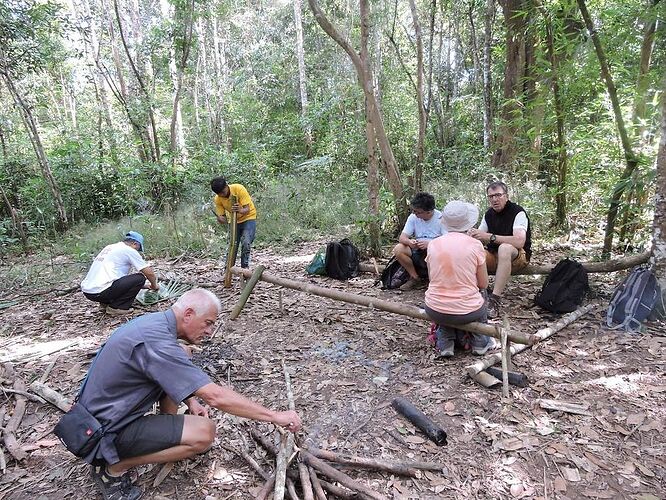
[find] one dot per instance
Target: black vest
(501, 223)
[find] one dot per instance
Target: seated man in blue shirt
(422, 225)
(143, 363)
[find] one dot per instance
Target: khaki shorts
(517, 264)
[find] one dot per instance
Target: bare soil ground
(347, 363)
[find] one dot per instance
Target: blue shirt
(140, 363)
(424, 229)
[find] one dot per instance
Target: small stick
(286, 446)
(316, 484)
(13, 424)
(505, 359)
(50, 395)
(48, 370)
(251, 461)
(291, 490)
(337, 491)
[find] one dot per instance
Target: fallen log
(605, 266)
(474, 370)
(247, 290)
(399, 468)
(384, 305)
(435, 433)
(340, 477)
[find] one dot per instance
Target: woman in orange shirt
(457, 271)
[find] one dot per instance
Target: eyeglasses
(495, 196)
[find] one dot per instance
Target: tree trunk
(514, 71)
(302, 81)
(489, 19)
(364, 75)
(659, 224)
(420, 142)
(221, 79)
(33, 133)
(629, 156)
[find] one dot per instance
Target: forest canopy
(115, 108)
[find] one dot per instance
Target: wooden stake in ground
(505, 359)
(245, 294)
(384, 305)
(231, 254)
(543, 334)
(286, 444)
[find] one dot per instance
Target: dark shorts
(150, 434)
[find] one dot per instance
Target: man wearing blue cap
(109, 281)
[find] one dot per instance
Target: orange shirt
(452, 263)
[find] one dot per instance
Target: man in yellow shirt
(247, 214)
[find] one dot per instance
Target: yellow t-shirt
(223, 205)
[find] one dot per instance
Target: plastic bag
(318, 264)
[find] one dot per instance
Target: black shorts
(149, 434)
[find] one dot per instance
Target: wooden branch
(604, 266)
(340, 477)
(231, 254)
(247, 290)
(554, 404)
(291, 490)
(50, 395)
(398, 468)
(248, 458)
(287, 441)
(49, 368)
(384, 305)
(13, 424)
(435, 433)
(306, 484)
(505, 360)
(316, 484)
(474, 370)
(25, 394)
(3, 461)
(337, 490)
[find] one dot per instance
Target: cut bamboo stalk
(231, 255)
(247, 290)
(306, 484)
(340, 477)
(316, 485)
(505, 361)
(384, 305)
(399, 468)
(540, 335)
(606, 266)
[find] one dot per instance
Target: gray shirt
(140, 363)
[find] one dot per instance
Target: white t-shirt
(520, 222)
(424, 229)
(113, 262)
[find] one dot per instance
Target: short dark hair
(424, 201)
(498, 184)
(218, 184)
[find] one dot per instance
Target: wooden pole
(384, 305)
(505, 360)
(399, 468)
(306, 484)
(231, 255)
(604, 266)
(286, 444)
(245, 294)
(543, 334)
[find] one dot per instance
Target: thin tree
(364, 74)
(659, 224)
(302, 80)
(631, 160)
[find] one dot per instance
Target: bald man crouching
(142, 363)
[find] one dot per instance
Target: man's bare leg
(403, 254)
(505, 255)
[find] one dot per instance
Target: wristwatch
(493, 237)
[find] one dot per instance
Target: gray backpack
(634, 300)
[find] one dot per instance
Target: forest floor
(347, 363)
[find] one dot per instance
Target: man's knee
(506, 252)
(198, 433)
(401, 249)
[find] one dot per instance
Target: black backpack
(394, 275)
(636, 299)
(341, 260)
(564, 288)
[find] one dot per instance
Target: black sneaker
(114, 488)
(494, 306)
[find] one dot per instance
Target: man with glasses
(506, 232)
(422, 226)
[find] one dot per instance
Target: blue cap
(138, 237)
